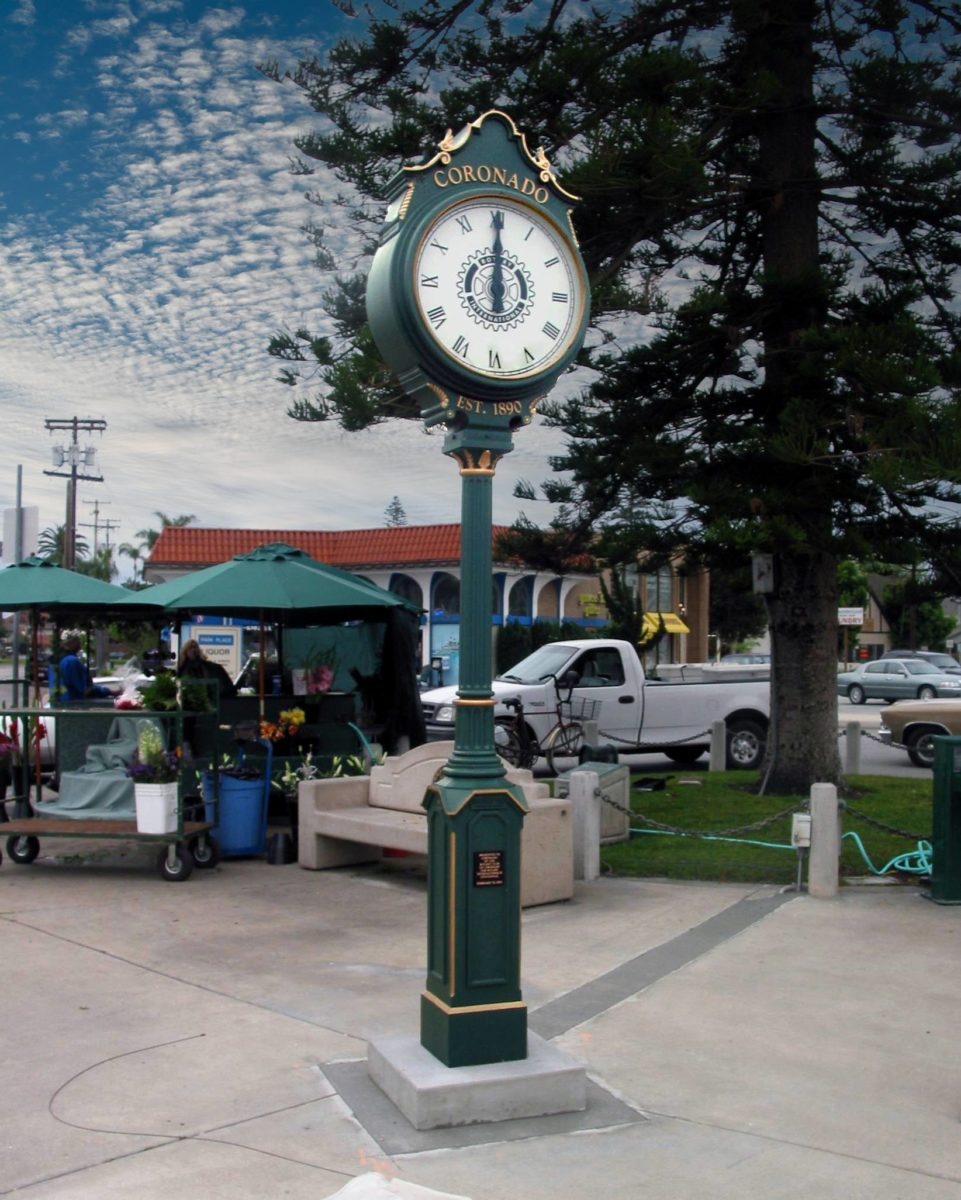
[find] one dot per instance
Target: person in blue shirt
(75, 679)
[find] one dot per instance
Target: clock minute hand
(497, 278)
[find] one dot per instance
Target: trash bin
(241, 827)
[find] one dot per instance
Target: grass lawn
(726, 800)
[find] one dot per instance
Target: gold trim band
(469, 1009)
(474, 703)
(452, 913)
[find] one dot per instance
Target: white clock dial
(498, 287)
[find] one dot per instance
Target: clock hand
(497, 279)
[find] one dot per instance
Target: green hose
(915, 862)
(705, 838)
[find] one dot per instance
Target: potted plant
(317, 674)
(155, 771)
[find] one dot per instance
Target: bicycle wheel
(507, 743)
(563, 741)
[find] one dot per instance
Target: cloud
(24, 14)
(150, 305)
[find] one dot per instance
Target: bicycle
(512, 737)
(563, 740)
(566, 737)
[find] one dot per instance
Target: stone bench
(351, 820)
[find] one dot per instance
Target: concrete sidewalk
(205, 1039)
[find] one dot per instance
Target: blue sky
(150, 243)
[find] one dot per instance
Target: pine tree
(771, 217)
(394, 514)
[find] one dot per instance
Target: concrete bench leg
(317, 852)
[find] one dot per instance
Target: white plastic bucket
(156, 807)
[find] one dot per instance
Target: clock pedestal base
(432, 1096)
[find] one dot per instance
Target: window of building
(659, 597)
(446, 601)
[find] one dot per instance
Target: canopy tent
(280, 584)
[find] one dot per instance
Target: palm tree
(136, 553)
(150, 535)
(51, 542)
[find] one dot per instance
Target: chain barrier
(754, 827)
(873, 737)
(862, 816)
(693, 737)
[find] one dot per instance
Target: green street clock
(478, 299)
(477, 295)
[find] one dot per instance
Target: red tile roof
(349, 549)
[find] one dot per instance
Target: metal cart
(187, 846)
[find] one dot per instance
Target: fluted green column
(471, 1009)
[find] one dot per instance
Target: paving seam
(591, 999)
(605, 1110)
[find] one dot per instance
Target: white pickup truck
(632, 713)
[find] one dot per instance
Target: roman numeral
(551, 329)
(465, 225)
(461, 347)
(552, 262)
(442, 249)
(428, 281)
(529, 232)
(493, 360)
(560, 297)
(436, 316)
(528, 357)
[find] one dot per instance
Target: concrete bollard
(852, 748)
(825, 841)
(585, 798)
(718, 759)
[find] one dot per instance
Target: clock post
(478, 299)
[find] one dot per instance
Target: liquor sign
(850, 616)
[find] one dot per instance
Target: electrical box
(800, 830)
(614, 780)
(946, 822)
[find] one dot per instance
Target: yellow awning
(672, 623)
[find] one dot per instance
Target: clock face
(498, 288)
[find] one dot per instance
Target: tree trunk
(803, 740)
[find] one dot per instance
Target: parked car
(915, 723)
(897, 679)
(944, 662)
(748, 656)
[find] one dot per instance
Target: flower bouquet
(319, 671)
(152, 762)
(288, 724)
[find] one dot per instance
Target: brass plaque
(488, 868)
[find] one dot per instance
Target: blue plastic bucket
(242, 825)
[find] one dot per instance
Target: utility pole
(96, 525)
(75, 457)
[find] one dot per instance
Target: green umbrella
(274, 582)
(38, 584)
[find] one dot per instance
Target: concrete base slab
(433, 1096)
